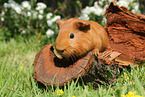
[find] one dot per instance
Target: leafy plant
(28, 19)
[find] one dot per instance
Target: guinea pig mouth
(69, 53)
(62, 54)
(57, 53)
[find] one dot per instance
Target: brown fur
(88, 36)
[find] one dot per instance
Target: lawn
(16, 58)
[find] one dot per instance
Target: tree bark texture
(126, 31)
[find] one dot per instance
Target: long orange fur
(94, 38)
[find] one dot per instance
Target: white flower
(14, 6)
(99, 11)
(48, 15)
(104, 20)
(123, 3)
(2, 19)
(49, 22)
(129, 5)
(96, 4)
(135, 11)
(93, 9)
(136, 7)
(23, 32)
(84, 17)
(111, 0)
(35, 13)
(26, 4)
(29, 13)
(96, 9)
(55, 18)
(40, 16)
(41, 11)
(3, 13)
(17, 9)
(86, 10)
(49, 33)
(100, 2)
(6, 5)
(41, 6)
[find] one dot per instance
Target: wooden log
(126, 31)
(49, 70)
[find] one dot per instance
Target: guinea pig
(77, 37)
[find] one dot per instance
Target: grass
(16, 58)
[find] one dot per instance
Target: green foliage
(5, 34)
(28, 18)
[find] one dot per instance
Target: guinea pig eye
(72, 36)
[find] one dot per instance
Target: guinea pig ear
(59, 22)
(83, 26)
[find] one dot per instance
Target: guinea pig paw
(96, 53)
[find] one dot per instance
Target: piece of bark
(126, 31)
(49, 70)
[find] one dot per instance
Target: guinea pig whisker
(75, 56)
(72, 54)
(72, 58)
(68, 56)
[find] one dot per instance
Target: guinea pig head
(72, 39)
